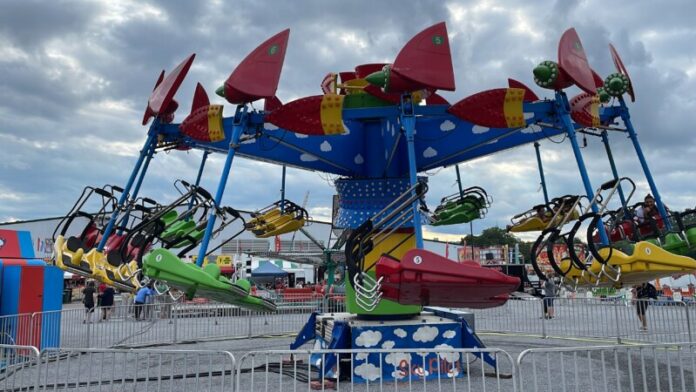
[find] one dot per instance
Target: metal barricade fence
(655, 367)
(519, 316)
(375, 370)
(19, 368)
(136, 370)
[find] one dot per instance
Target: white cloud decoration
(429, 152)
(396, 359)
(367, 371)
(308, 158)
(368, 338)
(449, 334)
(269, 127)
(359, 160)
(478, 129)
(361, 356)
(447, 126)
(401, 333)
(388, 345)
(425, 334)
(449, 357)
(325, 146)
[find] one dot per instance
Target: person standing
(107, 302)
(88, 300)
(550, 289)
(643, 293)
(141, 298)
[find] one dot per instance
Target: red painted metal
(436, 99)
(258, 74)
(426, 278)
(9, 244)
(580, 109)
(377, 92)
(484, 108)
(426, 61)
(598, 81)
(30, 301)
(361, 71)
(529, 95)
(200, 98)
(271, 104)
(161, 100)
(573, 61)
(622, 69)
(301, 116)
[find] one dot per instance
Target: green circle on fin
(438, 40)
(273, 50)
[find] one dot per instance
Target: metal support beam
(239, 126)
(408, 121)
(541, 172)
(605, 140)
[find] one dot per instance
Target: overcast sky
(75, 77)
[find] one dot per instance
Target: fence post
(249, 322)
(618, 324)
(175, 320)
(688, 320)
(543, 320)
(31, 331)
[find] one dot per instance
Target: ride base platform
(432, 329)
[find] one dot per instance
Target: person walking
(141, 298)
(643, 293)
(550, 289)
(88, 300)
(107, 302)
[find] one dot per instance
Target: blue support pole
(408, 121)
(239, 126)
(198, 178)
(151, 139)
(605, 140)
(541, 172)
(563, 111)
(626, 117)
(136, 190)
(282, 192)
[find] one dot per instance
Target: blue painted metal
(151, 140)
(240, 124)
(626, 117)
(282, 191)
(459, 181)
(307, 333)
(563, 112)
(198, 178)
(340, 339)
(541, 172)
(408, 121)
(605, 140)
(126, 216)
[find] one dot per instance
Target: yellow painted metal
(648, 262)
(512, 108)
(215, 129)
(594, 110)
(332, 114)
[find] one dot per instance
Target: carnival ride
(363, 129)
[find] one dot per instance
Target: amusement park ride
(377, 127)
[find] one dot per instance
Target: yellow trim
(215, 129)
(354, 86)
(332, 114)
(512, 108)
(594, 110)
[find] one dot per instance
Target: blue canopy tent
(268, 270)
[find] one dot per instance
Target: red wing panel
(529, 95)
(163, 94)
(9, 244)
(572, 59)
(426, 278)
(436, 99)
(258, 74)
(597, 79)
(426, 59)
(485, 108)
(622, 69)
(377, 92)
(301, 116)
(361, 71)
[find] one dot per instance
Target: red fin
(572, 59)
(436, 99)
(258, 74)
(622, 69)
(581, 109)
(346, 76)
(148, 112)
(301, 116)
(362, 70)
(529, 95)
(200, 98)
(426, 59)
(271, 104)
(166, 88)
